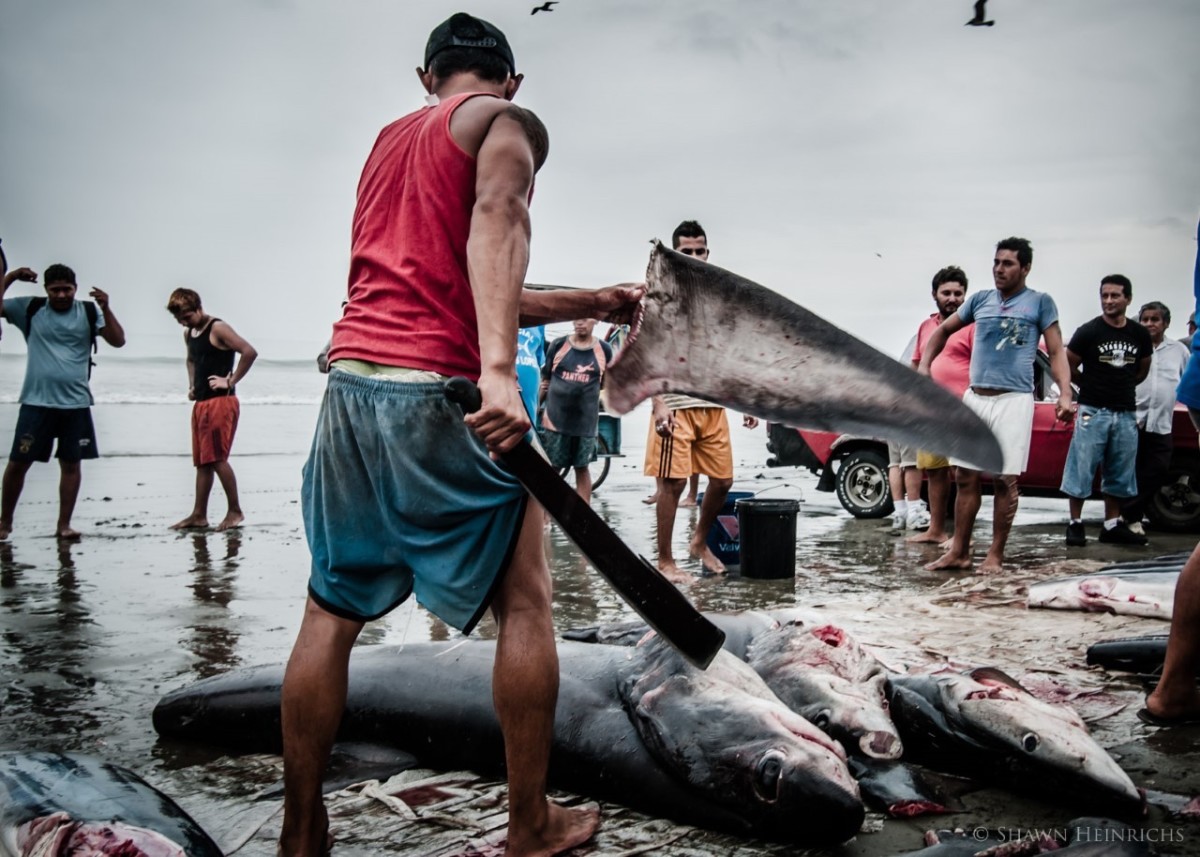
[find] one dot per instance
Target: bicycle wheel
(598, 468)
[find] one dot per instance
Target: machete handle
(639, 583)
(463, 393)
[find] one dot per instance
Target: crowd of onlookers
(982, 347)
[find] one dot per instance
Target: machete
(643, 587)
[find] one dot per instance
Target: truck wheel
(1176, 506)
(862, 485)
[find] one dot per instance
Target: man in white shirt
(1155, 411)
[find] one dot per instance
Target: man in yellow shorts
(689, 436)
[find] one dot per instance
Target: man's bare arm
(616, 304)
(1143, 369)
(1060, 371)
(1074, 362)
(497, 258)
(937, 341)
(226, 337)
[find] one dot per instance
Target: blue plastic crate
(610, 430)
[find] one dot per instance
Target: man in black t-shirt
(1109, 357)
(571, 379)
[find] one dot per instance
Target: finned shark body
(710, 333)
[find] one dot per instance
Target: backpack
(89, 307)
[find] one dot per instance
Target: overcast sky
(837, 151)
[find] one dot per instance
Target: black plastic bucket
(768, 537)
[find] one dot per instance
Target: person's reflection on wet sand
(8, 566)
(66, 562)
(214, 635)
(46, 650)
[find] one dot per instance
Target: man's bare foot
(323, 841)
(1170, 708)
(191, 522)
(687, 503)
(231, 521)
(565, 828)
(651, 500)
(992, 565)
(66, 534)
(950, 562)
(5, 529)
(927, 537)
(673, 572)
(707, 558)
(949, 543)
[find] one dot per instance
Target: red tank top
(410, 301)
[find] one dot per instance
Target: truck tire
(862, 484)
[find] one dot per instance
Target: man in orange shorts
(211, 344)
(689, 436)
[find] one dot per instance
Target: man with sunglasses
(689, 436)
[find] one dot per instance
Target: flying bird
(978, 21)
(545, 7)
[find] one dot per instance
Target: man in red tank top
(400, 494)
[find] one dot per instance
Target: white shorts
(901, 456)
(1010, 417)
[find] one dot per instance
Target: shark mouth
(706, 332)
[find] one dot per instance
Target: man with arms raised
(56, 399)
(952, 370)
(1109, 356)
(400, 494)
(1008, 322)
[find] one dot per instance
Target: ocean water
(141, 406)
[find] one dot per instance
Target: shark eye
(821, 719)
(770, 772)
(1029, 742)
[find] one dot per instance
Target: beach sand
(94, 632)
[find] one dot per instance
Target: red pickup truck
(856, 467)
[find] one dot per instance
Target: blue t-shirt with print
(1006, 336)
(59, 346)
(531, 354)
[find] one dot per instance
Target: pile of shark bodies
(787, 736)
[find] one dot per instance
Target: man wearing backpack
(56, 399)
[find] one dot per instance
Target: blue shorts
(399, 497)
(38, 427)
(1105, 439)
(568, 450)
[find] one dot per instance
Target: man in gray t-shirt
(55, 398)
(1009, 320)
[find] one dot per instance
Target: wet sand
(95, 632)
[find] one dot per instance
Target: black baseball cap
(461, 30)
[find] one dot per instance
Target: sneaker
(1076, 536)
(1136, 527)
(918, 517)
(1121, 534)
(899, 519)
